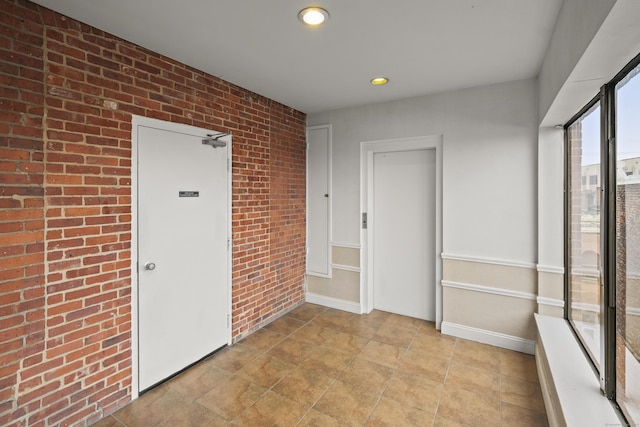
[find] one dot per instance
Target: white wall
(591, 42)
(577, 24)
(489, 164)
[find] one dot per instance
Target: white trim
(633, 311)
(324, 276)
(135, 369)
(329, 128)
(484, 260)
(345, 245)
(137, 121)
(339, 304)
(346, 268)
(552, 302)
(489, 290)
(549, 269)
(497, 339)
(367, 150)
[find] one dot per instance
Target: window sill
(570, 388)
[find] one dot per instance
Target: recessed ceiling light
(379, 81)
(313, 16)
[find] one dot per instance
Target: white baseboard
(339, 304)
(489, 337)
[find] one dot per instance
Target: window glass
(628, 245)
(584, 230)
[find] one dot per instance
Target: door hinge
(228, 320)
(228, 243)
(228, 165)
(364, 220)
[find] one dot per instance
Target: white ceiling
(423, 46)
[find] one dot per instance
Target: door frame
(136, 122)
(367, 150)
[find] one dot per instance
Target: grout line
(444, 382)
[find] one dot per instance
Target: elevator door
(404, 210)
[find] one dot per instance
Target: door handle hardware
(149, 266)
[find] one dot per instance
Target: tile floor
(323, 367)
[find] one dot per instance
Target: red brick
(94, 82)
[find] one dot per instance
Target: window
(602, 235)
(627, 249)
(584, 229)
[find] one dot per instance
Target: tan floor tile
(266, 370)
(195, 415)
(433, 345)
(271, 410)
(443, 422)
(234, 358)
(318, 419)
(360, 328)
(433, 367)
(334, 319)
(522, 417)
(261, 340)
(518, 365)
(301, 354)
(153, 407)
(396, 336)
(376, 317)
(349, 343)
(392, 413)
(292, 350)
(382, 354)
(108, 421)
(347, 403)
(469, 408)
(367, 375)
(327, 360)
(232, 396)
(285, 325)
(477, 354)
(429, 328)
(414, 390)
(476, 380)
(303, 386)
(314, 334)
(404, 321)
(306, 312)
(523, 393)
(198, 380)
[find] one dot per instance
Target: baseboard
(489, 337)
(339, 304)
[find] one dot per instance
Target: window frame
(608, 156)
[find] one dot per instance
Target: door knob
(149, 266)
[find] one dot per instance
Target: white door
(318, 206)
(404, 241)
(183, 255)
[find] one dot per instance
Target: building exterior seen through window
(584, 230)
(603, 236)
(627, 248)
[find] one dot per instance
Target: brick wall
(67, 93)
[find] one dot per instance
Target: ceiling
(423, 46)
